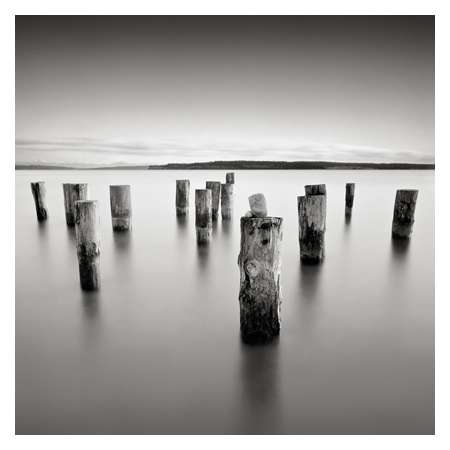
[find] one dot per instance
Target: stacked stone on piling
(311, 220)
(203, 215)
(182, 197)
(88, 244)
(404, 209)
(120, 200)
(73, 192)
(39, 196)
(349, 195)
(226, 200)
(260, 263)
(214, 186)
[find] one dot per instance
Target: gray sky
(103, 90)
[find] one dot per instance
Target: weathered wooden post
(229, 178)
(214, 186)
(349, 195)
(73, 193)
(38, 191)
(88, 243)
(311, 221)
(120, 199)
(260, 263)
(318, 189)
(203, 215)
(404, 208)
(182, 197)
(226, 200)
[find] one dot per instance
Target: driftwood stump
(349, 195)
(404, 208)
(88, 244)
(311, 221)
(38, 191)
(229, 178)
(182, 197)
(226, 200)
(73, 192)
(120, 200)
(214, 186)
(259, 262)
(203, 215)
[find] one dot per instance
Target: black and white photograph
(224, 224)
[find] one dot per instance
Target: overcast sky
(103, 90)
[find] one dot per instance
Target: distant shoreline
(246, 165)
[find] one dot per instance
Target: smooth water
(157, 350)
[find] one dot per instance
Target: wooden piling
(315, 189)
(88, 244)
(404, 208)
(73, 193)
(226, 200)
(203, 215)
(311, 221)
(229, 178)
(38, 191)
(120, 200)
(214, 186)
(182, 197)
(260, 263)
(349, 195)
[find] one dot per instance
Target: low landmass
(244, 165)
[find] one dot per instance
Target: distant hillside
(289, 165)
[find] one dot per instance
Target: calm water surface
(157, 350)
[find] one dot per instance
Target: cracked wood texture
(311, 221)
(38, 191)
(214, 186)
(226, 200)
(120, 200)
(88, 244)
(260, 263)
(182, 197)
(404, 208)
(203, 215)
(73, 192)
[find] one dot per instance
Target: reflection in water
(90, 322)
(309, 280)
(214, 228)
(202, 256)
(122, 241)
(182, 222)
(71, 236)
(90, 302)
(348, 218)
(227, 228)
(260, 386)
(399, 249)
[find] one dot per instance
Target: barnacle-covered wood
(182, 197)
(120, 199)
(38, 191)
(88, 244)
(311, 221)
(405, 206)
(214, 187)
(73, 192)
(349, 195)
(260, 293)
(203, 215)
(226, 200)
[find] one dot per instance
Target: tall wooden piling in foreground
(226, 200)
(38, 191)
(120, 200)
(404, 208)
(229, 178)
(349, 195)
(260, 263)
(73, 192)
(182, 197)
(214, 186)
(203, 215)
(88, 244)
(311, 221)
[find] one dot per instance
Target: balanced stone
(258, 205)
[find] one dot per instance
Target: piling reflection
(202, 256)
(348, 218)
(260, 386)
(227, 228)
(122, 241)
(309, 280)
(71, 236)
